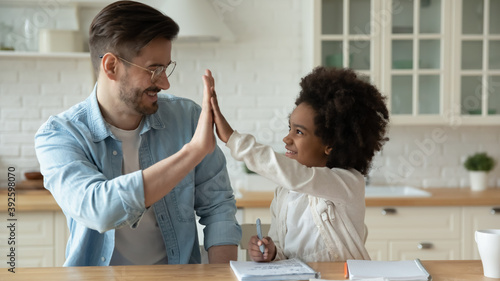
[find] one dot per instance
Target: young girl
(318, 210)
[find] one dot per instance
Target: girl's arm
(331, 184)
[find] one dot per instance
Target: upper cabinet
(346, 38)
(476, 80)
(30, 28)
(415, 63)
(437, 61)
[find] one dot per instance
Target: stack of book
(407, 270)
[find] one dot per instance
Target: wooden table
(440, 271)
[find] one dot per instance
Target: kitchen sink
(394, 191)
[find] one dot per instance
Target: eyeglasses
(156, 74)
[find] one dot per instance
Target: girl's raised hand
(254, 249)
(223, 129)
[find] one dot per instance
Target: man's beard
(132, 97)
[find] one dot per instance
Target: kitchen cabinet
(477, 60)
(22, 20)
(437, 61)
(428, 233)
(401, 233)
(40, 239)
(338, 35)
(396, 233)
(475, 218)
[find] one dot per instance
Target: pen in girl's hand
(259, 234)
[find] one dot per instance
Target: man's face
(136, 90)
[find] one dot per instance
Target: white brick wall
(413, 156)
(257, 81)
(34, 89)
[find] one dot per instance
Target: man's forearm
(163, 176)
(222, 254)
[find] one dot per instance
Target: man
(130, 167)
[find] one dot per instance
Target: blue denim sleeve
(215, 203)
(72, 167)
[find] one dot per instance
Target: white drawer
(377, 250)
(28, 256)
(475, 218)
(32, 229)
(413, 222)
(438, 250)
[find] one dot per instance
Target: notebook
(364, 279)
(407, 270)
(292, 269)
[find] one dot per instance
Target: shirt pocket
(183, 200)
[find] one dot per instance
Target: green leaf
(479, 162)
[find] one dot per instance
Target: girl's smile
(290, 153)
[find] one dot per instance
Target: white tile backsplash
(257, 81)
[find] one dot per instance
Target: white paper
(364, 279)
(290, 267)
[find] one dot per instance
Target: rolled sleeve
(215, 202)
(131, 196)
(94, 199)
(222, 233)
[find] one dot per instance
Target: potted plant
(479, 165)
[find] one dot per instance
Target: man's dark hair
(124, 28)
(351, 116)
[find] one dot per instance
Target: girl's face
(301, 142)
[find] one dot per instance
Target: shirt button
(114, 152)
(103, 258)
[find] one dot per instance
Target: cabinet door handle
(388, 211)
(495, 211)
(425, 245)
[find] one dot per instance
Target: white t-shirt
(144, 244)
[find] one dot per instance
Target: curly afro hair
(351, 116)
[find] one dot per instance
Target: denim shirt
(81, 162)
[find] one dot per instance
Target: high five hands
(211, 114)
(210, 106)
(203, 139)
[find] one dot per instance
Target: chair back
(366, 234)
(248, 230)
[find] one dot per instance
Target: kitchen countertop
(468, 270)
(439, 197)
(30, 200)
(42, 200)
